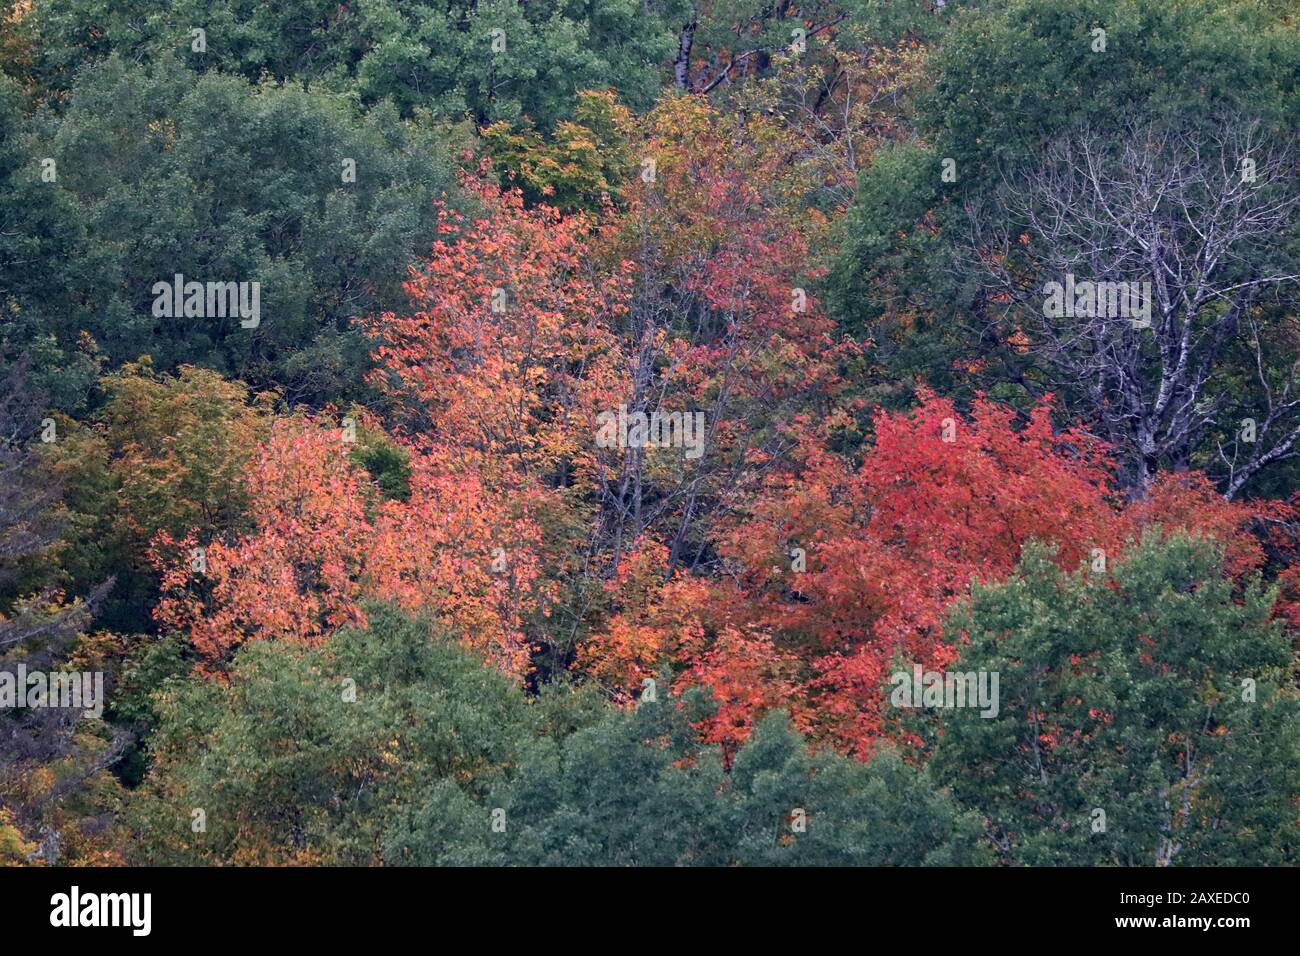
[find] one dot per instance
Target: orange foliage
(324, 542)
(507, 347)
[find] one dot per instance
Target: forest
(649, 433)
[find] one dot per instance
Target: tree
(40, 237)
(1194, 222)
(1011, 76)
(52, 765)
(392, 744)
(303, 755)
(1007, 79)
(837, 569)
(324, 539)
(1146, 716)
(323, 207)
(490, 60)
(164, 454)
(506, 352)
(583, 163)
(724, 44)
(530, 330)
(636, 788)
(30, 522)
(845, 567)
(721, 325)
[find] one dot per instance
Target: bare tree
(1190, 230)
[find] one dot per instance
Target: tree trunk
(682, 63)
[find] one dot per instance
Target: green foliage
(388, 463)
(164, 454)
(420, 56)
(637, 788)
(1010, 75)
(40, 238)
(411, 771)
(580, 166)
(146, 159)
(288, 769)
(1007, 78)
(1125, 693)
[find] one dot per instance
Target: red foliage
(937, 502)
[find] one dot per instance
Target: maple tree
(527, 324)
(506, 348)
(723, 321)
(840, 571)
(325, 540)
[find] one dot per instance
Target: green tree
(393, 744)
(492, 60)
(41, 236)
(638, 788)
(1145, 716)
(1006, 80)
(580, 166)
(1011, 75)
(303, 756)
(171, 172)
(163, 454)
